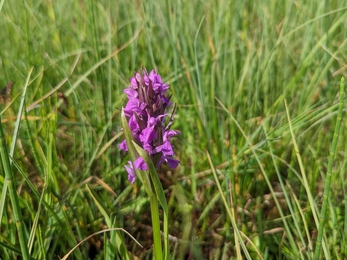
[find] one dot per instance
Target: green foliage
(256, 85)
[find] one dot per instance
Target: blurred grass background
(231, 65)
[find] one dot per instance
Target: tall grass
(257, 92)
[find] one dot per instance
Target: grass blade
(17, 214)
(322, 216)
(118, 240)
(238, 238)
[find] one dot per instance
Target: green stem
(17, 214)
(154, 190)
(329, 172)
(156, 228)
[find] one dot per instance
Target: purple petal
(134, 125)
(168, 134)
(165, 148)
(148, 148)
(131, 93)
(147, 135)
(131, 172)
(154, 77)
(138, 77)
(173, 163)
(166, 101)
(123, 146)
(134, 105)
(160, 88)
(152, 121)
(133, 83)
(140, 164)
(157, 87)
(146, 79)
(164, 87)
(170, 161)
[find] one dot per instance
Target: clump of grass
(253, 167)
(323, 212)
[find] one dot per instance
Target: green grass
(256, 85)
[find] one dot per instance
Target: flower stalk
(147, 138)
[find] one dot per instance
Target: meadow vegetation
(257, 88)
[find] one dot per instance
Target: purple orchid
(146, 109)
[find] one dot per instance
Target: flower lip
(131, 172)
